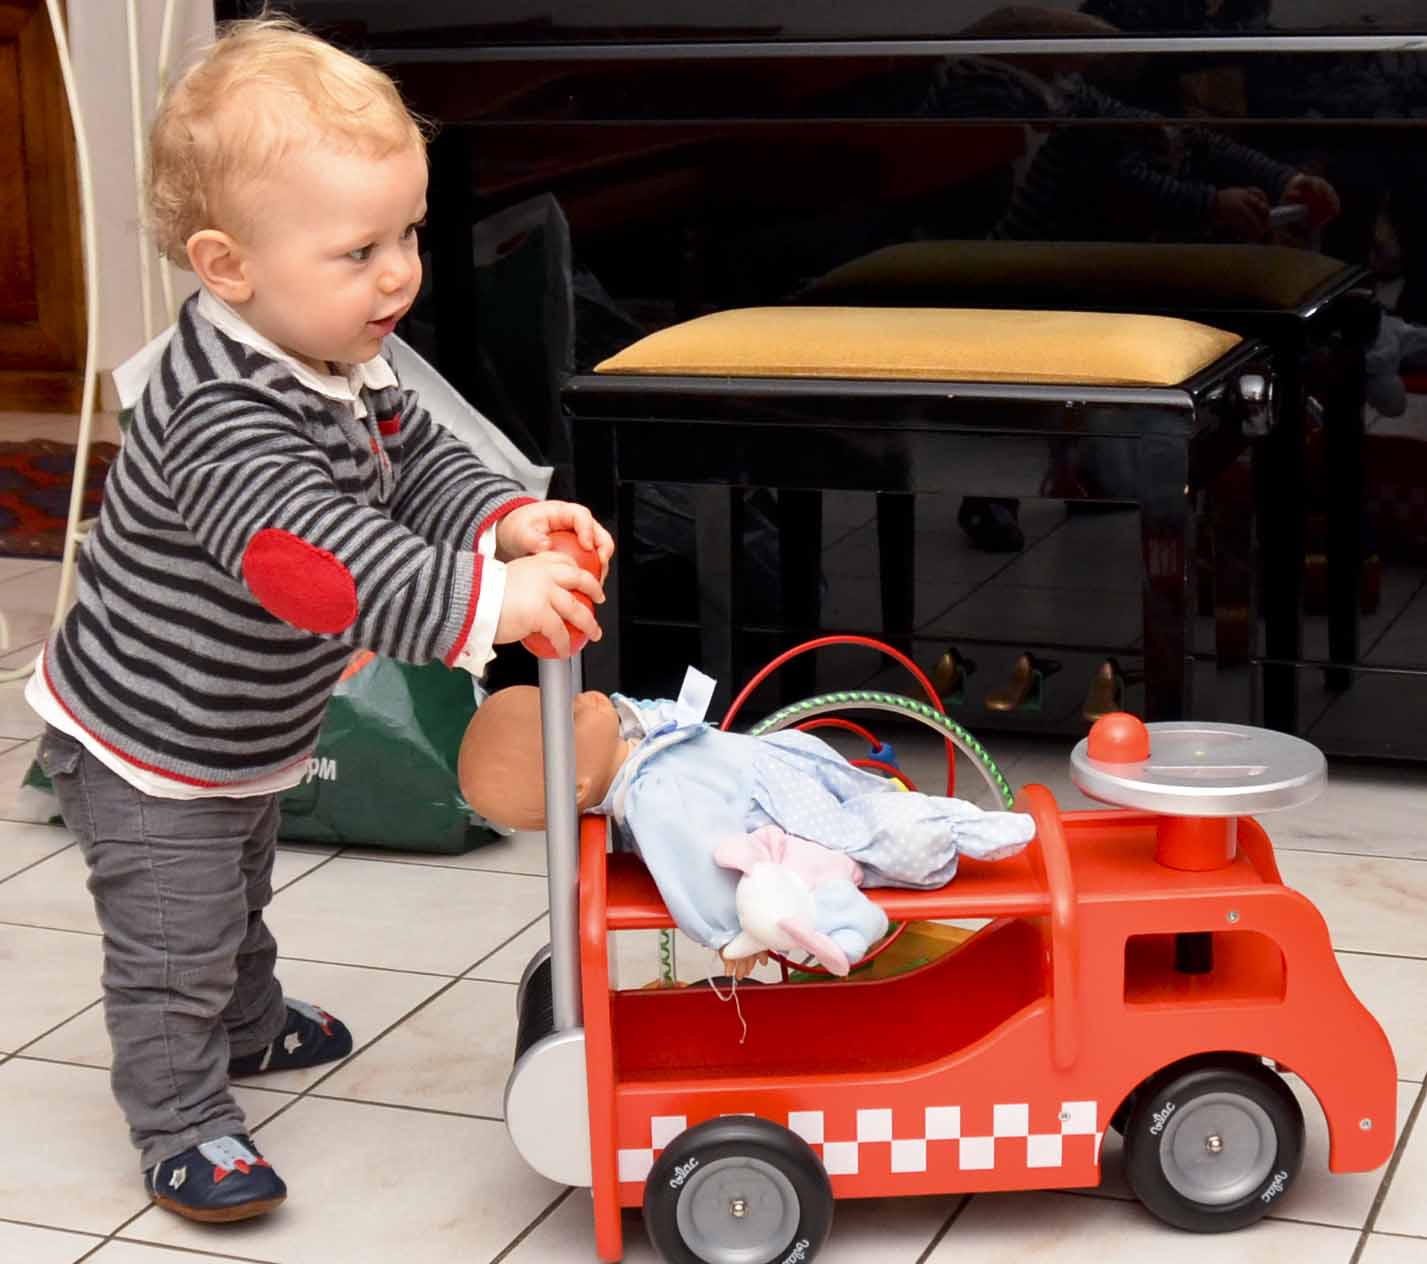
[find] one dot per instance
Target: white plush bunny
(796, 895)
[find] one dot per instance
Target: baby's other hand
(742, 967)
(1314, 192)
(527, 530)
(540, 597)
(1241, 213)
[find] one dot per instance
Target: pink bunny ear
(828, 954)
(743, 851)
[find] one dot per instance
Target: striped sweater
(253, 532)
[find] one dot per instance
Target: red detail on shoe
(300, 583)
(243, 1167)
(220, 1172)
(391, 426)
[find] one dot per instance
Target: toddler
(279, 500)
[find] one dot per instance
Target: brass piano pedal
(1107, 690)
(949, 676)
(1025, 690)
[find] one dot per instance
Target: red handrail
(1054, 857)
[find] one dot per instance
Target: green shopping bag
(384, 771)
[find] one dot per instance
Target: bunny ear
(743, 851)
(828, 954)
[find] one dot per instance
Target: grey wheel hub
(738, 1210)
(1218, 1149)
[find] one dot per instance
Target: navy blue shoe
(219, 1180)
(310, 1038)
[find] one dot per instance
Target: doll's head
(502, 767)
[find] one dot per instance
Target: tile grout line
(65, 1023)
(34, 863)
(380, 1036)
(163, 1246)
(1386, 1183)
(940, 1234)
(1351, 855)
(533, 1225)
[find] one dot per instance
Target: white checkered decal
(1010, 1121)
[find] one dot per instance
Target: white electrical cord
(165, 47)
(76, 527)
(136, 118)
(91, 332)
(90, 246)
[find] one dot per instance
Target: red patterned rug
(35, 479)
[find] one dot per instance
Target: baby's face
(332, 255)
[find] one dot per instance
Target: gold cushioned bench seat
(931, 344)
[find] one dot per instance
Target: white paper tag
(694, 697)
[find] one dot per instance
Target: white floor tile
(50, 975)
(292, 862)
(374, 1184)
(51, 893)
(1382, 1248)
(14, 761)
(43, 1246)
(1335, 1198)
(865, 1231)
(455, 1054)
(22, 845)
(71, 1166)
(1371, 904)
(1072, 1229)
(26, 607)
(1365, 809)
(507, 964)
(368, 1001)
(402, 917)
(121, 1252)
(522, 852)
(1393, 989)
(1404, 1210)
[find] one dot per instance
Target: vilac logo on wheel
(1161, 1117)
(798, 1253)
(682, 1173)
(1276, 1186)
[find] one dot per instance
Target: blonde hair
(262, 87)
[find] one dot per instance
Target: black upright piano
(602, 171)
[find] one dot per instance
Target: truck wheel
(1213, 1147)
(738, 1190)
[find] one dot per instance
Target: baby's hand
(742, 967)
(527, 530)
(540, 597)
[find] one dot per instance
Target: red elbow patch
(300, 583)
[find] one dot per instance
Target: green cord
(921, 711)
(667, 969)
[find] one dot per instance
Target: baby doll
(692, 800)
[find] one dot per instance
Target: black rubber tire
(726, 1141)
(1160, 1164)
